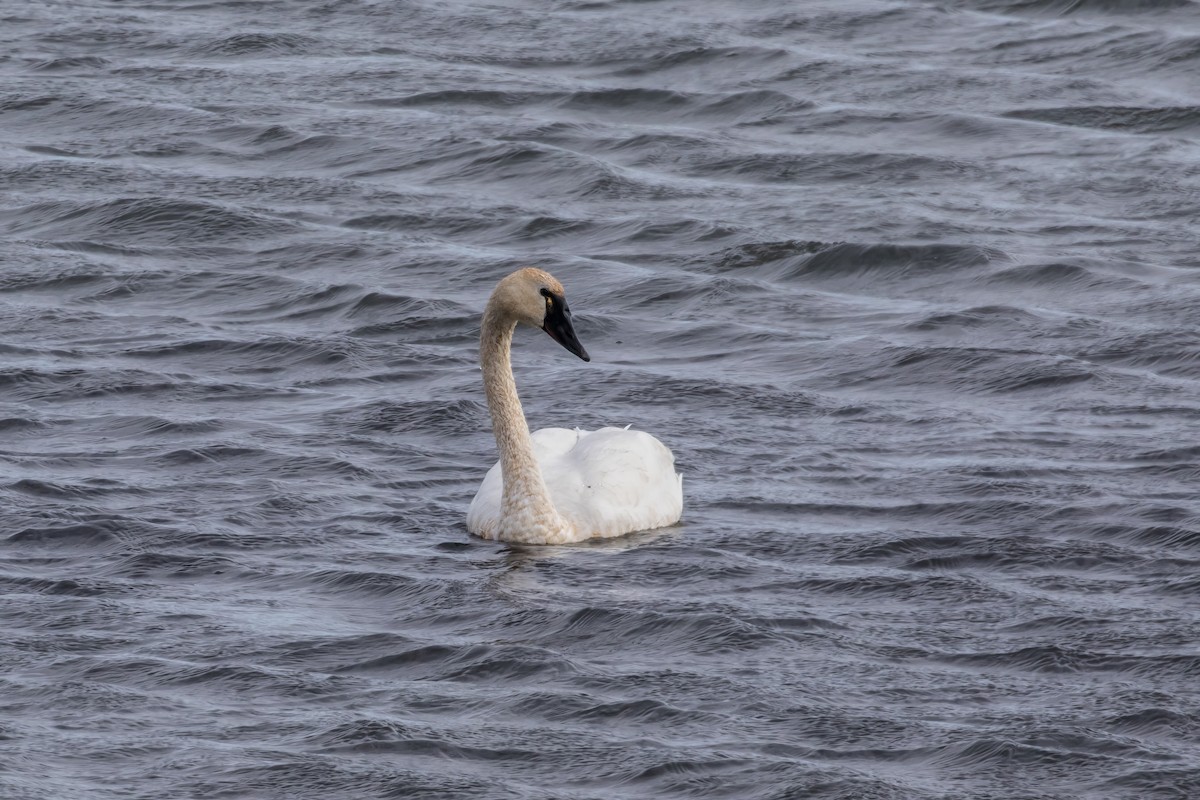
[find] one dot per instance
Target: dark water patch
(540, 170)
(674, 773)
(82, 64)
(743, 107)
(1168, 784)
(858, 265)
(1148, 52)
(280, 149)
(14, 424)
(518, 162)
(1154, 536)
(67, 385)
(888, 588)
(1058, 623)
(333, 654)
(23, 103)
(223, 294)
(107, 700)
(443, 224)
(236, 679)
(412, 317)
(1171, 455)
(430, 747)
(639, 712)
(1020, 554)
(258, 43)
(977, 512)
(1172, 353)
(1118, 118)
(66, 587)
(1066, 7)
(687, 292)
(874, 262)
(87, 116)
(96, 534)
(485, 98)
(698, 58)
(381, 585)
(967, 369)
(264, 357)
(97, 248)
(440, 417)
(151, 220)
(466, 663)
(681, 231)
(546, 227)
(314, 776)
(903, 547)
(209, 454)
(1155, 722)
(721, 395)
(130, 428)
(834, 168)
(695, 634)
(757, 254)
(988, 754)
(1185, 588)
(175, 566)
(1145, 410)
(1003, 318)
(627, 103)
(59, 491)
(1053, 659)
(336, 255)
(217, 458)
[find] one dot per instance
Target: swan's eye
(549, 304)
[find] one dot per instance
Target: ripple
(257, 43)
(1118, 118)
(158, 221)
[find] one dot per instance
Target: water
(911, 289)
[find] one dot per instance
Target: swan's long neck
(526, 511)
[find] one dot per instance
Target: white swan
(560, 485)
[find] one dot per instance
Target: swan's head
(536, 298)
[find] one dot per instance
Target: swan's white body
(603, 483)
(559, 486)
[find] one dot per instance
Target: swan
(560, 486)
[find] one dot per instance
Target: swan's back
(605, 483)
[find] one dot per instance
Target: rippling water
(911, 288)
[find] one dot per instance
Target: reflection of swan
(560, 486)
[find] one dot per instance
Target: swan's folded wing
(615, 481)
(551, 443)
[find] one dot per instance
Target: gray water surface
(910, 288)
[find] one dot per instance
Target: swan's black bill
(558, 324)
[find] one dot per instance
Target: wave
(833, 168)
(753, 106)
(1118, 118)
(1064, 7)
(1057, 659)
(148, 220)
(257, 44)
(856, 264)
